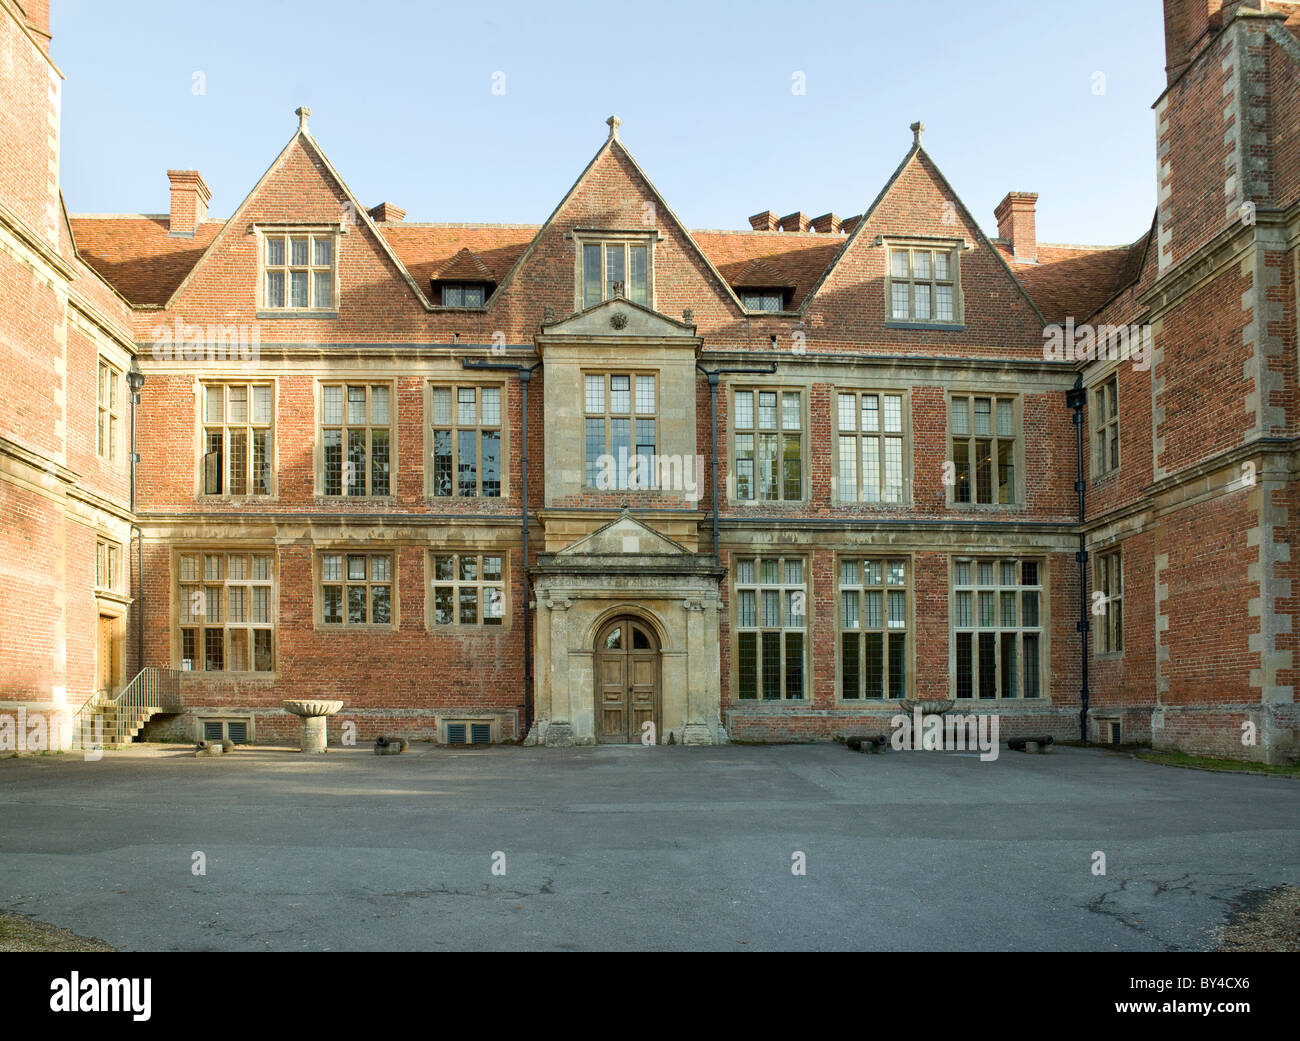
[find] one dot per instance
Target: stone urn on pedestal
(313, 715)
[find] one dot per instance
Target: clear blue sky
(402, 102)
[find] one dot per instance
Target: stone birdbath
(928, 706)
(313, 715)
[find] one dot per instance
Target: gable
(300, 188)
(612, 194)
(620, 318)
(918, 203)
(625, 536)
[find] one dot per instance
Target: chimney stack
(1189, 24)
(1016, 224)
(190, 195)
(827, 223)
(765, 221)
(387, 213)
(795, 222)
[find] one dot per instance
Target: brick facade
(1200, 506)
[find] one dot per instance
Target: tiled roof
(1073, 281)
(429, 250)
(465, 267)
(137, 256)
(797, 259)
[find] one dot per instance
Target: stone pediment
(624, 536)
(620, 318)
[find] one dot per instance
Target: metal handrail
(154, 689)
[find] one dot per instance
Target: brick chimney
(37, 13)
(827, 223)
(190, 195)
(1189, 25)
(1016, 224)
(795, 222)
(387, 213)
(765, 221)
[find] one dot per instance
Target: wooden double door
(627, 682)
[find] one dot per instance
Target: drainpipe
(713, 410)
(134, 381)
(525, 373)
(1076, 398)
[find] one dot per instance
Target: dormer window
(763, 299)
(613, 267)
(298, 269)
(923, 284)
(463, 294)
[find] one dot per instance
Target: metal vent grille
(455, 733)
(212, 730)
(481, 733)
(237, 732)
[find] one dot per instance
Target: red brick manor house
(555, 482)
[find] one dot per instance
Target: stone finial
(688, 317)
(303, 113)
(917, 129)
(613, 122)
(548, 315)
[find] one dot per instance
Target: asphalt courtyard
(662, 848)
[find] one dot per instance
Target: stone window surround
(908, 492)
(1105, 427)
(455, 626)
(1018, 452)
(955, 247)
(108, 401)
(454, 384)
(345, 380)
(108, 565)
(201, 427)
(805, 463)
(909, 618)
(1108, 571)
(782, 555)
(260, 231)
(345, 549)
(1044, 627)
(603, 237)
(180, 619)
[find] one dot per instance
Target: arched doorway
(627, 680)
